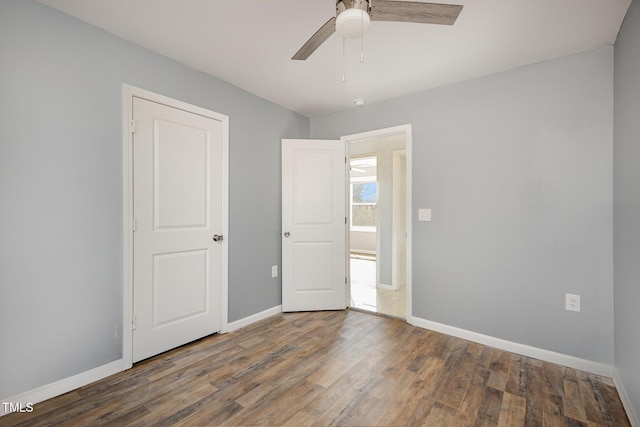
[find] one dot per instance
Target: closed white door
(313, 225)
(178, 208)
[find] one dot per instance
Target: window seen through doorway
(364, 194)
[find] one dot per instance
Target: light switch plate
(424, 214)
(274, 271)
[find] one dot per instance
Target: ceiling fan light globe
(352, 23)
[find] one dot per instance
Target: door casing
(129, 92)
(399, 195)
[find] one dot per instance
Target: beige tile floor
(366, 296)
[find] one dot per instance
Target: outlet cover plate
(274, 271)
(572, 302)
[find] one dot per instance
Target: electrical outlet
(274, 271)
(572, 302)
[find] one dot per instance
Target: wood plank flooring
(336, 368)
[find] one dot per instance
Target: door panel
(313, 198)
(309, 275)
(176, 303)
(178, 207)
(180, 164)
(313, 206)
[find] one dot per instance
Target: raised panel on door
(313, 223)
(173, 303)
(180, 176)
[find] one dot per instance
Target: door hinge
(132, 126)
(345, 280)
(134, 225)
(345, 220)
(134, 323)
(345, 160)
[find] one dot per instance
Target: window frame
(362, 228)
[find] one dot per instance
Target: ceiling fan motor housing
(342, 5)
(352, 17)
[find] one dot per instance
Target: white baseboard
(66, 385)
(626, 402)
(362, 251)
(513, 347)
(234, 326)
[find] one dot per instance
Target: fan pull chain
(362, 39)
(344, 61)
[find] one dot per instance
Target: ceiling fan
(353, 17)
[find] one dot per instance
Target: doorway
(379, 225)
(176, 208)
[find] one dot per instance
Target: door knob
(218, 237)
(287, 234)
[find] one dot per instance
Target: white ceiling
(249, 43)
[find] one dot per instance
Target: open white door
(179, 207)
(313, 225)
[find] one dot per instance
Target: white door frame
(380, 133)
(397, 155)
(129, 92)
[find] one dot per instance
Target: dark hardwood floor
(336, 368)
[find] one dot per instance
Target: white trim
(397, 155)
(128, 93)
(224, 292)
(626, 401)
(127, 226)
(361, 251)
(238, 324)
(363, 229)
(406, 130)
(513, 347)
(65, 385)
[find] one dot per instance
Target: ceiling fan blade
(409, 11)
(316, 40)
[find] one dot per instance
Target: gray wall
(61, 189)
(362, 241)
(517, 168)
(626, 208)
